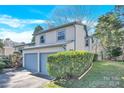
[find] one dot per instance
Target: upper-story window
(42, 39)
(61, 35)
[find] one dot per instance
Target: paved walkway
(11, 78)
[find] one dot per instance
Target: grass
(102, 75)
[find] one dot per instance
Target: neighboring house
(1, 51)
(20, 47)
(71, 36)
(8, 51)
(8, 48)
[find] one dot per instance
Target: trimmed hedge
(69, 64)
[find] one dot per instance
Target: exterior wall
(70, 33)
(44, 50)
(51, 37)
(8, 51)
(19, 48)
(89, 48)
(74, 32)
(91, 45)
(80, 37)
(70, 46)
(98, 49)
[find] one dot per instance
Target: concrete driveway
(21, 78)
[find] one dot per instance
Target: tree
(119, 9)
(1, 43)
(65, 14)
(116, 52)
(108, 31)
(37, 29)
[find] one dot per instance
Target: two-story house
(71, 36)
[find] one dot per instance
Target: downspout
(74, 37)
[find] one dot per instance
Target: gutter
(51, 45)
(42, 46)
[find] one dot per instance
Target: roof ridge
(60, 26)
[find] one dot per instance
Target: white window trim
(63, 30)
(44, 39)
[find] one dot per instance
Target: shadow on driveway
(5, 77)
(21, 78)
(42, 76)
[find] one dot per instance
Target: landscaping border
(85, 72)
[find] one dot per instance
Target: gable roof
(24, 44)
(61, 26)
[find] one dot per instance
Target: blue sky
(18, 22)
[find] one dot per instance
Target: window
(92, 40)
(61, 35)
(86, 42)
(42, 39)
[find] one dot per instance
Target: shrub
(69, 64)
(6, 61)
(95, 57)
(116, 52)
(2, 65)
(16, 59)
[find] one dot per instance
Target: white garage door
(31, 62)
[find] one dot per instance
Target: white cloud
(15, 22)
(24, 36)
(21, 36)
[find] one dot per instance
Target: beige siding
(74, 32)
(44, 50)
(8, 51)
(69, 33)
(51, 37)
(70, 46)
(80, 37)
(37, 39)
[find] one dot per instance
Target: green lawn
(102, 75)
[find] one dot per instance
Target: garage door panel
(31, 61)
(43, 63)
